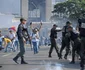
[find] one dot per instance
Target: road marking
(6, 55)
(50, 66)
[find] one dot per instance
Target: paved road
(39, 61)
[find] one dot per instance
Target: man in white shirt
(12, 38)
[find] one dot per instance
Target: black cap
(55, 25)
(68, 22)
(22, 19)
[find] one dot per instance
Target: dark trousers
(65, 44)
(76, 48)
(22, 49)
(53, 45)
(82, 50)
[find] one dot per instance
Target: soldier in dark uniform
(23, 35)
(74, 36)
(65, 41)
(53, 37)
(81, 27)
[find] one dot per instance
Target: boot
(65, 57)
(22, 60)
(50, 55)
(15, 59)
(60, 56)
(72, 62)
(0, 66)
(82, 68)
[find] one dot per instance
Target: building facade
(39, 10)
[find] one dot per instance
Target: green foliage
(72, 8)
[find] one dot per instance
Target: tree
(71, 8)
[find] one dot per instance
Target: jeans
(17, 44)
(9, 45)
(35, 47)
(0, 44)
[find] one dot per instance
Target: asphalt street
(39, 61)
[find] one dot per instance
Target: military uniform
(76, 44)
(53, 37)
(22, 33)
(82, 35)
(65, 42)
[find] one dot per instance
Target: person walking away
(53, 37)
(35, 41)
(23, 35)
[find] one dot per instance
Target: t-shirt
(11, 36)
(34, 37)
(7, 40)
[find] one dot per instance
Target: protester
(7, 44)
(37, 31)
(35, 41)
(12, 38)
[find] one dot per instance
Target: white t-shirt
(34, 37)
(11, 36)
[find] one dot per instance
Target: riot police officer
(81, 27)
(53, 37)
(65, 41)
(74, 37)
(23, 35)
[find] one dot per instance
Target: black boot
(60, 56)
(15, 59)
(72, 62)
(50, 55)
(22, 60)
(82, 68)
(0, 66)
(65, 57)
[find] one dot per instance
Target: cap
(55, 25)
(68, 22)
(22, 19)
